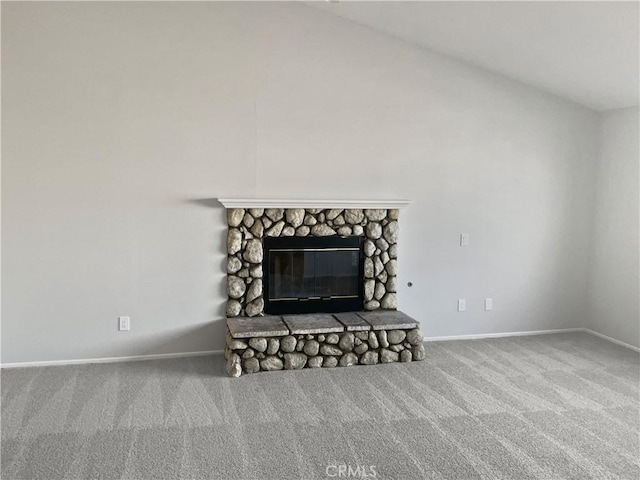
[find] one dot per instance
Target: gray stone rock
(357, 342)
(266, 221)
(237, 344)
(315, 362)
(379, 291)
(369, 358)
(353, 216)
(311, 348)
(338, 221)
(274, 214)
(369, 286)
(260, 355)
(322, 230)
(235, 286)
(358, 230)
(393, 214)
(248, 220)
(418, 352)
(378, 266)
(288, 231)
(243, 273)
(346, 342)
(332, 338)
(234, 365)
(344, 231)
(255, 308)
(372, 305)
(233, 265)
(396, 336)
(384, 257)
(330, 350)
(387, 356)
(348, 359)
(233, 308)
(360, 349)
(275, 230)
(393, 251)
(368, 268)
(271, 363)
(257, 229)
(255, 290)
(375, 215)
(302, 231)
(333, 213)
(382, 244)
(256, 212)
(273, 346)
(256, 271)
(234, 241)
(235, 216)
(373, 340)
(300, 345)
(294, 216)
(330, 362)
(253, 251)
(383, 276)
(392, 267)
(389, 301)
(382, 338)
(249, 353)
(396, 348)
(369, 248)
(252, 365)
(391, 232)
(320, 217)
(321, 338)
(310, 220)
(362, 335)
(288, 343)
(258, 343)
(294, 361)
(405, 356)
(374, 230)
(391, 284)
(415, 336)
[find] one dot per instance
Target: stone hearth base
(292, 342)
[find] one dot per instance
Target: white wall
(122, 121)
(614, 291)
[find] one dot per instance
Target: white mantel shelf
(291, 203)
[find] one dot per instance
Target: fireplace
(313, 274)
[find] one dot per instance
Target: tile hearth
(292, 342)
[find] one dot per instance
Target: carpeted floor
(562, 406)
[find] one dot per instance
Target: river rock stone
(243, 273)
(378, 266)
(389, 301)
(383, 276)
(257, 229)
(353, 216)
(238, 344)
(361, 335)
(273, 346)
(369, 286)
(333, 213)
(369, 248)
(311, 348)
(310, 220)
(288, 231)
(233, 265)
(275, 230)
(396, 336)
(348, 359)
(375, 214)
(392, 267)
(300, 345)
(235, 286)
(255, 308)
(235, 216)
(234, 241)
(330, 362)
(360, 349)
(387, 356)
(393, 214)
(415, 336)
(248, 220)
(274, 214)
(302, 231)
(379, 291)
(391, 232)
(255, 290)
(294, 216)
(396, 348)
(330, 350)
(234, 365)
(368, 268)
(382, 244)
(322, 230)
(406, 356)
(382, 338)
(294, 361)
(373, 340)
(393, 251)
(338, 221)
(253, 251)
(332, 338)
(233, 308)
(346, 342)
(358, 230)
(256, 271)
(315, 362)
(344, 231)
(256, 212)
(372, 305)
(267, 222)
(271, 363)
(248, 353)
(288, 343)
(374, 230)
(258, 343)
(384, 257)
(391, 284)
(418, 352)
(369, 358)
(252, 365)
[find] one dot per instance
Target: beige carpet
(562, 406)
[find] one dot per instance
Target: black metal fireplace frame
(313, 305)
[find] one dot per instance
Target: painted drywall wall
(122, 122)
(614, 291)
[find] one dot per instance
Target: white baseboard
(133, 358)
(612, 340)
(503, 334)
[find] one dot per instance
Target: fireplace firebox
(313, 274)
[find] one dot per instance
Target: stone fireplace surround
(255, 342)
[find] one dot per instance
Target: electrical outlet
(124, 324)
(462, 305)
(488, 304)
